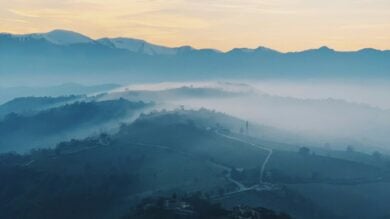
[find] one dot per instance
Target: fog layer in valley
(325, 113)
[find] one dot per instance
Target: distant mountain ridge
(67, 37)
(61, 52)
(60, 37)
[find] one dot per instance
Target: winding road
(240, 187)
(265, 162)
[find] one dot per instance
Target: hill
(45, 128)
(165, 153)
(30, 105)
(298, 121)
(67, 89)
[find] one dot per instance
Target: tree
(174, 196)
(350, 149)
(377, 155)
(241, 130)
(304, 151)
(221, 191)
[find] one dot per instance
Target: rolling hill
(49, 126)
(31, 105)
(165, 153)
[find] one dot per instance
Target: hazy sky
(281, 24)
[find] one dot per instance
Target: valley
(176, 151)
(180, 109)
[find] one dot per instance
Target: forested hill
(23, 132)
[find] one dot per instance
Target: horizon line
(197, 48)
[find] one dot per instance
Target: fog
(374, 93)
(324, 112)
(336, 113)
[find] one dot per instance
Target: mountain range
(62, 53)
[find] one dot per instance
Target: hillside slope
(45, 128)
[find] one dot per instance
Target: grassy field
(320, 167)
(349, 201)
(282, 200)
(152, 168)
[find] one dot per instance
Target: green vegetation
(31, 105)
(349, 201)
(196, 206)
(181, 152)
(78, 119)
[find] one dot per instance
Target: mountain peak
(65, 37)
(185, 48)
(63, 31)
(322, 49)
(249, 50)
(137, 45)
(243, 50)
(325, 48)
(265, 49)
(369, 50)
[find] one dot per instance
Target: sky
(285, 25)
